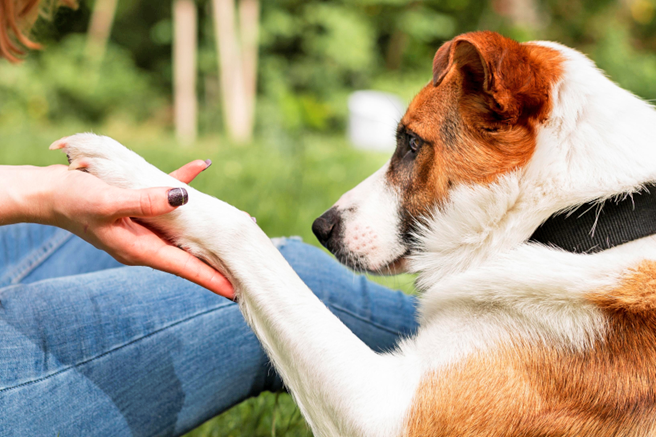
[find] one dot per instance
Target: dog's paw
(108, 160)
(88, 151)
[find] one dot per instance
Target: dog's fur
(516, 339)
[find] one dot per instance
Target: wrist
(25, 194)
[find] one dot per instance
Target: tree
(237, 48)
(523, 13)
(185, 102)
(100, 28)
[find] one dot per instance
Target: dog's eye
(415, 144)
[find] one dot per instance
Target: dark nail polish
(208, 162)
(178, 196)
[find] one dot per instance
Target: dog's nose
(325, 226)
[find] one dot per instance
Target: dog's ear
(499, 71)
(464, 54)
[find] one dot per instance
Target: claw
(78, 164)
(59, 144)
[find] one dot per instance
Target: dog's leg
(342, 387)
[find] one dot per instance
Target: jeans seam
(363, 319)
(117, 348)
(37, 257)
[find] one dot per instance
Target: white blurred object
(373, 117)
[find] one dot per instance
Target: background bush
(312, 55)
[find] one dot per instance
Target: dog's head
(475, 121)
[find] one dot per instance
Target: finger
(148, 202)
(134, 244)
(178, 262)
(188, 172)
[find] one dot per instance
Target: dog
(531, 324)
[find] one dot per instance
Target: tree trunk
(184, 70)
(523, 13)
(395, 49)
(237, 64)
(100, 27)
(249, 17)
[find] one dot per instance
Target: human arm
(103, 215)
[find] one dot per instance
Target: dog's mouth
(394, 267)
(359, 263)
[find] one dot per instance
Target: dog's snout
(324, 227)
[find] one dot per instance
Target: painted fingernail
(178, 196)
(208, 162)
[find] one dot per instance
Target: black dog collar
(598, 226)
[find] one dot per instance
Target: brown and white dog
(516, 338)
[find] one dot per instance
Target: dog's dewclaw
(78, 164)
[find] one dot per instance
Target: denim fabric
(90, 347)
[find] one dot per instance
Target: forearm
(24, 194)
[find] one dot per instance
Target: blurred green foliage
(312, 55)
(63, 83)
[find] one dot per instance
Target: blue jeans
(91, 347)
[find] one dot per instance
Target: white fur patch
(370, 220)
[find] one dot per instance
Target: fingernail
(254, 219)
(208, 162)
(178, 196)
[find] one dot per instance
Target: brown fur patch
(477, 122)
(636, 295)
(531, 390)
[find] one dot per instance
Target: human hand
(105, 215)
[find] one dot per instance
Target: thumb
(150, 202)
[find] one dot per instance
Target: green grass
(268, 415)
(285, 183)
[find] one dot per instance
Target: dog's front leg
(340, 384)
(342, 387)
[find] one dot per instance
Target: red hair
(13, 41)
